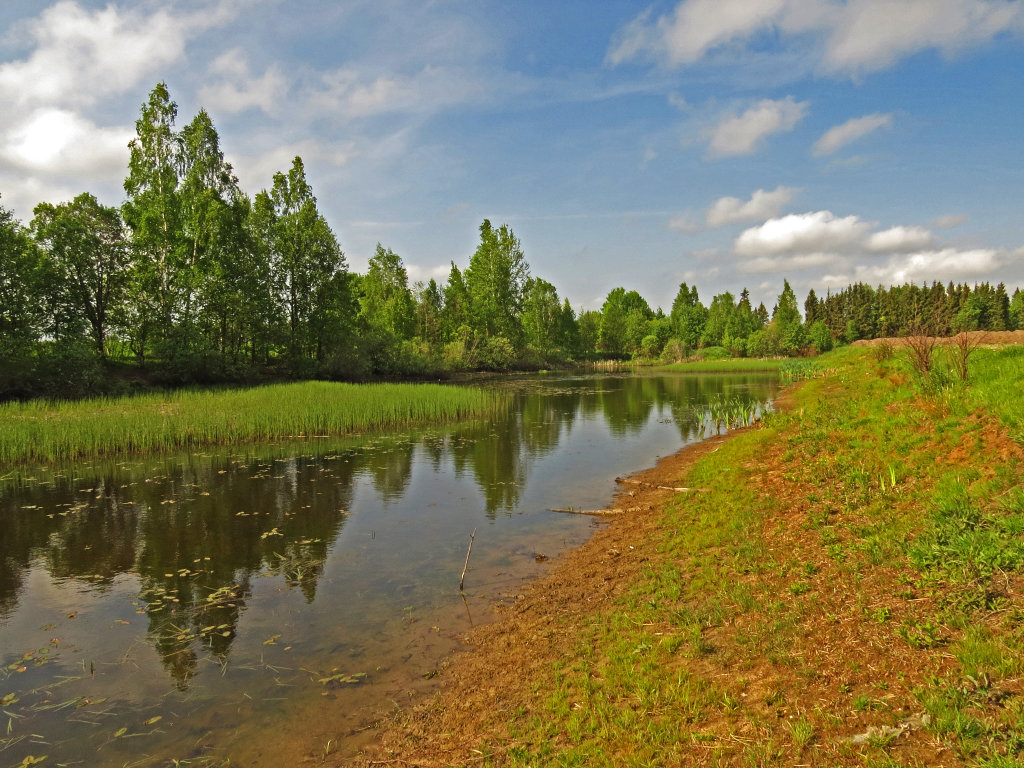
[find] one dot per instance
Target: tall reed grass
(40, 431)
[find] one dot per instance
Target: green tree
(455, 315)
(495, 282)
(88, 260)
(688, 316)
(1016, 311)
(612, 333)
(542, 316)
(787, 321)
(386, 304)
(308, 268)
(429, 313)
(589, 325)
(152, 211)
(720, 315)
(21, 305)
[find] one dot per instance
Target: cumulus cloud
(81, 55)
(56, 139)
(802, 234)
(853, 250)
(761, 205)
(943, 265)
(849, 38)
(743, 134)
(841, 135)
(78, 59)
(900, 240)
(235, 89)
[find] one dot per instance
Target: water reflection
(182, 543)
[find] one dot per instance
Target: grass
(726, 365)
(40, 431)
(855, 562)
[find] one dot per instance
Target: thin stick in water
(466, 566)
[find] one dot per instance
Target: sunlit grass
(40, 431)
(893, 478)
(727, 365)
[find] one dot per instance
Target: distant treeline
(193, 281)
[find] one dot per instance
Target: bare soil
(974, 338)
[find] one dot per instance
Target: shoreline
(444, 728)
(823, 604)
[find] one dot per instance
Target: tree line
(192, 281)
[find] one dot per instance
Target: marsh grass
(41, 431)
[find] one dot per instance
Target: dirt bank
(506, 657)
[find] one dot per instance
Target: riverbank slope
(840, 586)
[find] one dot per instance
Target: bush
(675, 351)
(764, 343)
(496, 354)
(714, 353)
(819, 337)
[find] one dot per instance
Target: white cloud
(767, 265)
(685, 222)
(803, 234)
(762, 205)
(875, 34)
(849, 38)
(56, 140)
(695, 28)
(949, 263)
(841, 135)
(79, 59)
(743, 134)
(80, 55)
(351, 94)
(900, 240)
(853, 252)
(925, 266)
(236, 90)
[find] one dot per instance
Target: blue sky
(727, 143)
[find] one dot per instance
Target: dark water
(265, 604)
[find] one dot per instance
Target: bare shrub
(920, 348)
(963, 347)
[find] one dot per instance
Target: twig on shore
(468, 552)
(628, 481)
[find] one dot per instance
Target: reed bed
(52, 431)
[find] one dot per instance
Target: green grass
(726, 365)
(40, 431)
(897, 477)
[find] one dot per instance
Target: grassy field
(40, 431)
(849, 591)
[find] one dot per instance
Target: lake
(266, 604)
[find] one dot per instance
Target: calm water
(265, 604)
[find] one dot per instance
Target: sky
(729, 144)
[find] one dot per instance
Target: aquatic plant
(41, 431)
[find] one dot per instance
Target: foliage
(195, 282)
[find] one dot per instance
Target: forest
(192, 281)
